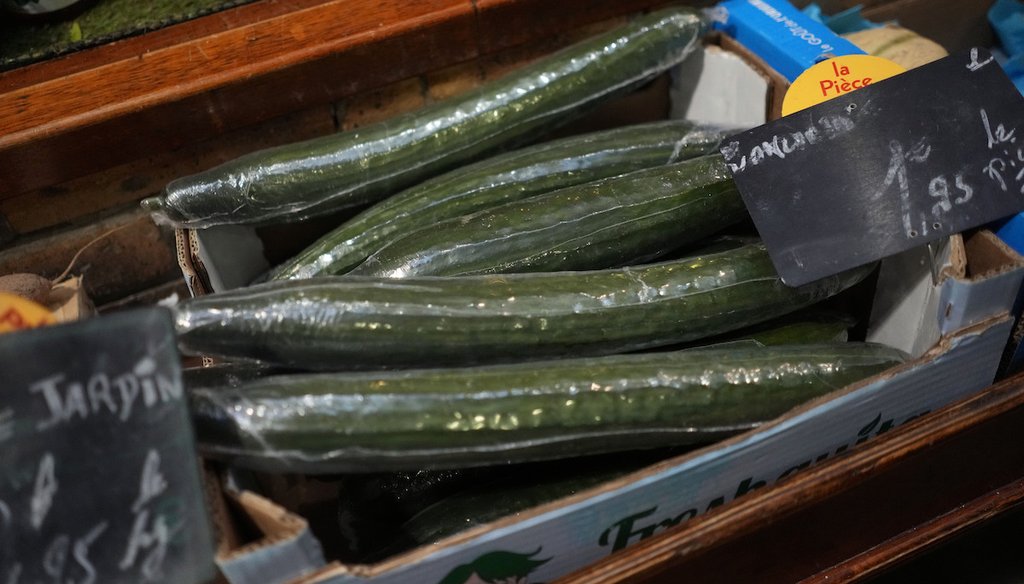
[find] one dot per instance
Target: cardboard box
(950, 311)
(932, 291)
(581, 529)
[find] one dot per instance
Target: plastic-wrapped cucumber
(806, 326)
(437, 418)
(822, 327)
(502, 179)
(349, 322)
(225, 374)
(476, 506)
(372, 506)
(615, 221)
(361, 166)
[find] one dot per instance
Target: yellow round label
(835, 77)
(17, 313)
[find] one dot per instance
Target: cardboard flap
(287, 550)
(903, 313)
(69, 302)
(191, 267)
(231, 255)
(697, 93)
(990, 256)
(928, 292)
(993, 279)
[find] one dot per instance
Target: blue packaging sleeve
(788, 40)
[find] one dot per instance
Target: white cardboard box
(950, 311)
(579, 530)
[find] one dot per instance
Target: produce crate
(590, 525)
(947, 305)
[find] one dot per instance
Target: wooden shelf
(103, 106)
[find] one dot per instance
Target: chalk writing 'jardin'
(102, 394)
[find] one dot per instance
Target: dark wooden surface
(100, 107)
(909, 544)
(855, 515)
(89, 135)
(168, 92)
(987, 553)
(86, 136)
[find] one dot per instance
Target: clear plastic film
(350, 322)
(621, 220)
(460, 417)
(360, 166)
(504, 179)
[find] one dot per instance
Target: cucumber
(822, 327)
(349, 322)
(484, 504)
(362, 166)
(378, 512)
(611, 222)
(468, 416)
(806, 326)
(502, 179)
(372, 507)
(225, 374)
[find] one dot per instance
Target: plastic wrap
(226, 374)
(622, 220)
(385, 514)
(502, 179)
(364, 165)
(438, 418)
(490, 502)
(349, 322)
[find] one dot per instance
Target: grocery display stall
(598, 375)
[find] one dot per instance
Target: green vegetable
(811, 328)
(347, 322)
(806, 326)
(478, 506)
(437, 418)
(502, 179)
(362, 166)
(612, 222)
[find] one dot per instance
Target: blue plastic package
(845, 22)
(788, 40)
(1007, 19)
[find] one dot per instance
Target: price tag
(99, 480)
(885, 168)
(836, 77)
(17, 313)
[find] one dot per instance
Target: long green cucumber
(806, 326)
(821, 327)
(486, 503)
(795, 329)
(611, 222)
(361, 166)
(379, 514)
(502, 179)
(437, 418)
(357, 322)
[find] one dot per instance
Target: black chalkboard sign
(99, 481)
(886, 168)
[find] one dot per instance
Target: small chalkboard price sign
(928, 153)
(99, 482)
